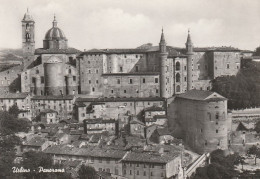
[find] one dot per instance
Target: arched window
(177, 66)
(27, 26)
(69, 71)
(178, 88)
(178, 77)
(28, 36)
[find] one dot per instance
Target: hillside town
(148, 112)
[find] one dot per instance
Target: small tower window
(143, 80)
(177, 67)
(178, 88)
(156, 80)
(178, 77)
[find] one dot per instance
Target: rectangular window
(124, 91)
(97, 81)
(74, 78)
(156, 80)
(143, 80)
(42, 79)
(130, 172)
(121, 69)
(96, 71)
(151, 173)
(136, 68)
(216, 131)
(118, 81)
(157, 91)
(144, 173)
(89, 71)
(112, 91)
(227, 66)
(137, 172)
(89, 81)
(93, 89)
(131, 81)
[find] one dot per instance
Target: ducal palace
(121, 83)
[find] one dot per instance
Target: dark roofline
(40, 51)
(131, 74)
(60, 97)
(119, 99)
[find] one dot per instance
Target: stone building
(22, 100)
(154, 71)
(203, 118)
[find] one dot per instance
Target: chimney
(85, 125)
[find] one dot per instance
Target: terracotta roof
(13, 95)
(59, 97)
(48, 111)
(118, 99)
(160, 117)
(131, 74)
(136, 121)
(200, 95)
(56, 51)
(154, 108)
(163, 131)
(219, 49)
(36, 141)
(152, 155)
(90, 151)
(99, 121)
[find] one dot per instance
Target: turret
(163, 68)
(28, 43)
(189, 53)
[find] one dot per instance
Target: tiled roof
(163, 131)
(99, 121)
(48, 111)
(131, 74)
(13, 95)
(59, 97)
(160, 116)
(219, 49)
(136, 121)
(57, 51)
(118, 99)
(199, 95)
(154, 108)
(36, 141)
(90, 151)
(152, 155)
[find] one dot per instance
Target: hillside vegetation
(242, 90)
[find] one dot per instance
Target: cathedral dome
(55, 33)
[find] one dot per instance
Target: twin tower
(55, 39)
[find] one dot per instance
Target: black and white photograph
(129, 89)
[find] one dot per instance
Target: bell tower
(28, 42)
(189, 53)
(163, 66)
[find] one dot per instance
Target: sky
(90, 24)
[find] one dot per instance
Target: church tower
(28, 42)
(163, 68)
(189, 53)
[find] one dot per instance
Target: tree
(10, 125)
(14, 110)
(7, 151)
(87, 172)
(257, 51)
(257, 127)
(221, 167)
(254, 150)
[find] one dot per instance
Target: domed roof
(55, 33)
